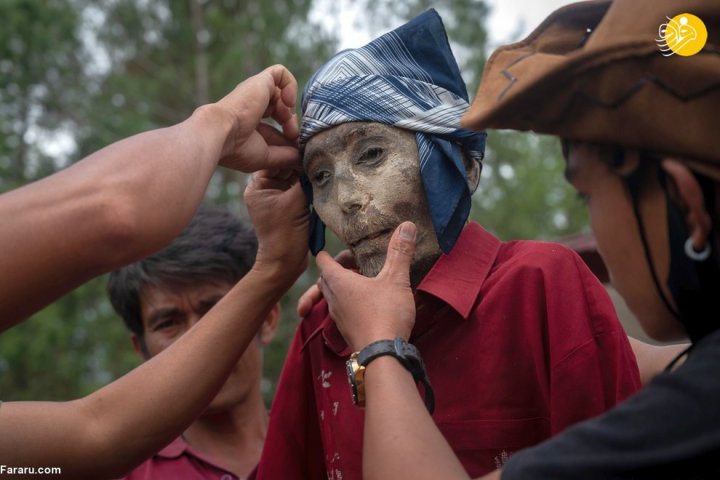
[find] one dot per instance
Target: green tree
(65, 351)
(521, 194)
(165, 58)
(55, 354)
(100, 70)
(149, 64)
(40, 79)
(464, 22)
(168, 57)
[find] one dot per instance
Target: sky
(510, 17)
(509, 20)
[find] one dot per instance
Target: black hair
(215, 247)
(692, 284)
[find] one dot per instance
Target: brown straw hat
(593, 71)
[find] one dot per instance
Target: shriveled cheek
(405, 210)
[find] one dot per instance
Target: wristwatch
(406, 353)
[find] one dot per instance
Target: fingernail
(407, 231)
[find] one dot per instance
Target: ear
(472, 168)
(270, 325)
(692, 199)
(140, 347)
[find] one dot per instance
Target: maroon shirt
(179, 461)
(520, 340)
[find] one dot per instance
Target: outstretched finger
(275, 137)
(283, 115)
(327, 265)
(400, 253)
(347, 260)
(286, 82)
(284, 157)
(329, 272)
(283, 98)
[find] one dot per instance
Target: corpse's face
(366, 181)
(618, 238)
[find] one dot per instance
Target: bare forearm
(401, 440)
(144, 410)
(112, 208)
(652, 359)
(183, 380)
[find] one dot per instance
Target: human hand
(279, 212)
(252, 145)
(370, 309)
(313, 294)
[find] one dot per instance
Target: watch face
(356, 374)
(351, 366)
(349, 369)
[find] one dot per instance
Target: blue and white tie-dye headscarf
(407, 78)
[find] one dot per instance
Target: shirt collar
(175, 449)
(455, 280)
(180, 447)
(457, 277)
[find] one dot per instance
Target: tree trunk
(202, 80)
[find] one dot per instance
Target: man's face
(618, 240)
(366, 181)
(168, 313)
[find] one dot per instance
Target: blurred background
(76, 75)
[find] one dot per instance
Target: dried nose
(351, 196)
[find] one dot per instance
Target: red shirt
(179, 461)
(520, 340)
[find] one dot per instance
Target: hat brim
(608, 87)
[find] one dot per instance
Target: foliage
(464, 22)
(40, 56)
(67, 350)
(149, 64)
(522, 192)
(100, 70)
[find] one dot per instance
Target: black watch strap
(408, 355)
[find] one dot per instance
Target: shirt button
(227, 477)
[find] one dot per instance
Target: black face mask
(693, 285)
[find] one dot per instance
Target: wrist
(387, 333)
(216, 120)
(403, 352)
(278, 272)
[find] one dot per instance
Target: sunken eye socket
(320, 177)
(371, 155)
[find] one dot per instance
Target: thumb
(327, 265)
(329, 271)
(400, 252)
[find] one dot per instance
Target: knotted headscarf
(407, 78)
